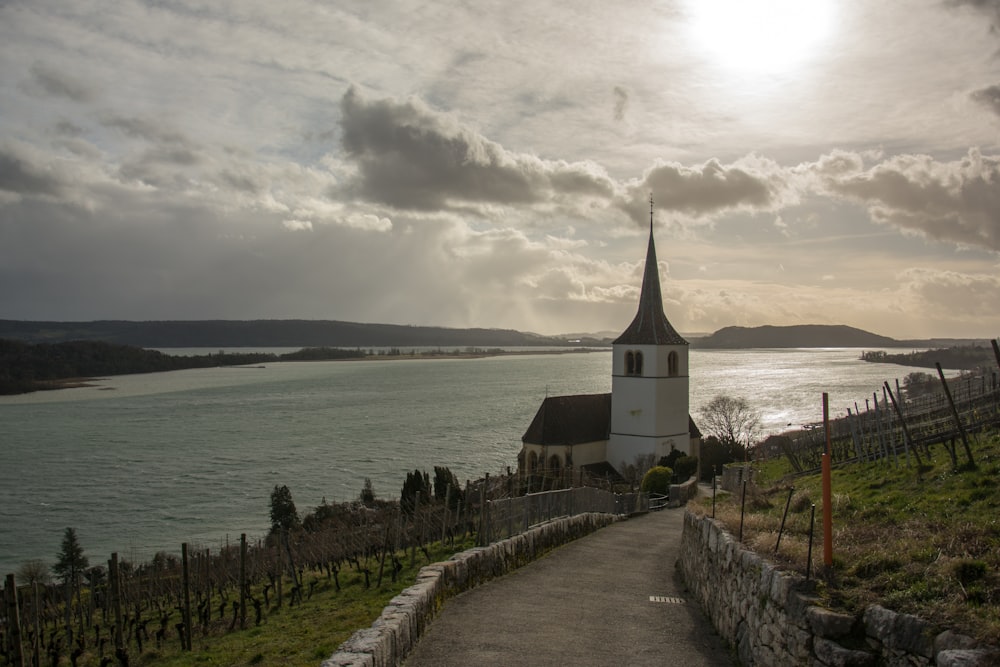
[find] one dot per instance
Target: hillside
(922, 542)
(804, 335)
(266, 333)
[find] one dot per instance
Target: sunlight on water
(141, 463)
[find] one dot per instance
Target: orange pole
(827, 489)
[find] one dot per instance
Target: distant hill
(267, 333)
(803, 335)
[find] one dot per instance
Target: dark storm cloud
(988, 97)
(19, 176)
(409, 156)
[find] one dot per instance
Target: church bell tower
(649, 379)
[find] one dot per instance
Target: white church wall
(626, 449)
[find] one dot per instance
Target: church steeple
(650, 326)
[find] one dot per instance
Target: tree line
(26, 367)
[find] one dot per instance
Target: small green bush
(657, 480)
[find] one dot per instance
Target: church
(646, 415)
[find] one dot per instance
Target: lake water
(142, 463)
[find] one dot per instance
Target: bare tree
(731, 420)
(32, 571)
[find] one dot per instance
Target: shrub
(657, 480)
(684, 467)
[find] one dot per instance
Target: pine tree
(283, 512)
(70, 561)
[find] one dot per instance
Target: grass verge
(926, 544)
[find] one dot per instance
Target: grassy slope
(927, 545)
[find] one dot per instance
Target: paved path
(585, 603)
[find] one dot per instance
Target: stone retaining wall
(771, 618)
(681, 493)
(392, 636)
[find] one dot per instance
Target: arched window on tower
(673, 364)
(532, 461)
(633, 362)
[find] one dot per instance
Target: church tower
(649, 379)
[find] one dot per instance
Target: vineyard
(125, 613)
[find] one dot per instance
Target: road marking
(664, 598)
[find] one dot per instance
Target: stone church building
(646, 413)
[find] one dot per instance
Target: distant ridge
(269, 333)
(802, 335)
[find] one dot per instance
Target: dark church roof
(650, 326)
(570, 420)
(575, 420)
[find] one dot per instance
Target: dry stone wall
(772, 619)
(392, 636)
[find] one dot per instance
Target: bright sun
(760, 36)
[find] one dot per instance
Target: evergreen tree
(443, 478)
(417, 486)
(70, 561)
(368, 493)
(283, 512)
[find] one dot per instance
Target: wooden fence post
(186, 574)
(243, 580)
(954, 413)
(16, 655)
(116, 598)
(907, 440)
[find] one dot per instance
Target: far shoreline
(79, 382)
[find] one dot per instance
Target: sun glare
(760, 36)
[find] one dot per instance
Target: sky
(490, 164)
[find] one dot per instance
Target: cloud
(58, 84)
(989, 7)
(955, 294)
(988, 97)
(949, 201)
(621, 103)
(19, 176)
(751, 183)
(297, 225)
(411, 157)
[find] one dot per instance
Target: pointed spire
(650, 326)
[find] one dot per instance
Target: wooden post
(996, 351)
(890, 431)
(186, 574)
(37, 613)
(116, 598)
(208, 586)
(827, 489)
(413, 537)
(907, 440)
(447, 505)
(16, 655)
(243, 580)
(954, 414)
(281, 567)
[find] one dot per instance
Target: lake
(142, 463)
